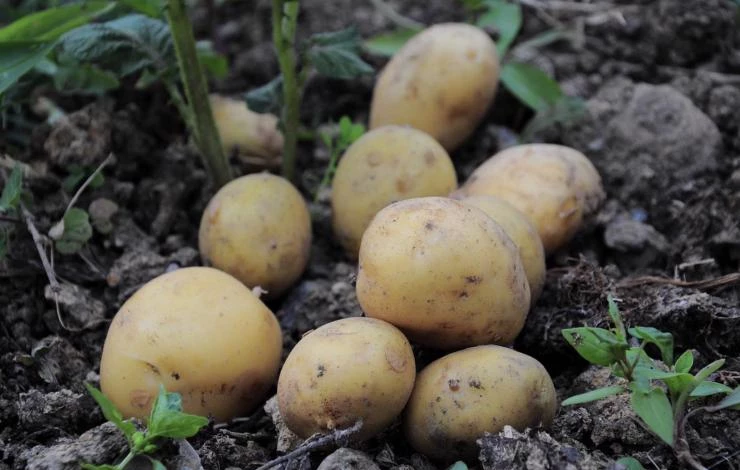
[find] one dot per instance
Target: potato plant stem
(284, 20)
(202, 124)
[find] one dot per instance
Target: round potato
(347, 370)
(465, 394)
(443, 272)
(258, 229)
(556, 186)
(198, 332)
(387, 164)
(442, 82)
(521, 231)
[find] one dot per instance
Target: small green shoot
(10, 200)
(631, 463)
(166, 421)
(349, 132)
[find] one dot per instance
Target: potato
(387, 164)
(556, 186)
(349, 369)
(443, 272)
(521, 231)
(442, 82)
(465, 394)
(244, 132)
(258, 229)
(198, 332)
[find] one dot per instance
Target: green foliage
(50, 24)
(459, 465)
(505, 18)
(631, 463)
(72, 232)
(268, 98)
(335, 54)
(532, 86)
(387, 44)
(166, 421)
(11, 195)
(77, 174)
(349, 132)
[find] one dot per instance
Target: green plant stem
(196, 90)
(283, 37)
(126, 461)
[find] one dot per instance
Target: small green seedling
(166, 421)
(349, 132)
(10, 201)
(659, 390)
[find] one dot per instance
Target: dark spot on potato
(396, 361)
(153, 368)
(474, 383)
(402, 185)
(457, 112)
(429, 225)
(458, 404)
(373, 159)
(473, 279)
(463, 295)
(321, 370)
(454, 384)
(471, 54)
(429, 158)
(175, 375)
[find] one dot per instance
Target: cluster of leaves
(659, 390)
(166, 421)
(530, 85)
(348, 133)
(10, 201)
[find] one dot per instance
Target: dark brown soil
(662, 84)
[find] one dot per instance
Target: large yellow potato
(387, 164)
(200, 333)
(465, 394)
(524, 235)
(258, 229)
(347, 370)
(443, 272)
(556, 186)
(442, 82)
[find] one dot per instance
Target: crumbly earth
(661, 123)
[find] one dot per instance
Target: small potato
(198, 332)
(258, 229)
(387, 164)
(244, 132)
(556, 186)
(443, 272)
(465, 394)
(442, 82)
(521, 231)
(349, 369)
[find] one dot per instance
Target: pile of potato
(451, 268)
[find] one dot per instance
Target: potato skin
(444, 273)
(459, 397)
(442, 82)
(387, 164)
(556, 186)
(349, 369)
(258, 229)
(522, 232)
(199, 332)
(245, 132)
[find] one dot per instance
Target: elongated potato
(443, 272)
(556, 186)
(198, 332)
(521, 231)
(387, 164)
(347, 370)
(244, 132)
(465, 394)
(442, 82)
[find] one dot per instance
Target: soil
(662, 125)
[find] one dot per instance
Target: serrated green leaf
(664, 341)
(709, 369)
(49, 24)
(11, 195)
(655, 410)
(212, 62)
(631, 463)
(506, 18)
(530, 85)
(596, 345)
(387, 44)
(708, 388)
(459, 465)
(685, 362)
(152, 8)
(335, 54)
(268, 98)
(77, 231)
(168, 420)
(18, 57)
(111, 413)
(593, 395)
(730, 401)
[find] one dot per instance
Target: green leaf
(730, 401)
(19, 57)
(631, 463)
(335, 54)
(77, 231)
(11, 195)
(111, 413)
(268, 98)
(348, 133)
(506, 18)
(676, 385)
(596, 345)
(156, 464)
(49, 24)
(459, 465)
(568, 109)
(84, 79)
(168, 420)
(655, 410)
(709, 369)
(151, 8)
(708, 388)
(212, 62)
(387, 44)
(593, 395)
(530, 85)
(616, 318)
(89, 466)
(664, 341)
(685, 362)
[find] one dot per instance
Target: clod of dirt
(287, 440)
(101, 212)
(638, 243)
(78, 304)
(82, 137)
(58, 362)
(347, 459)
(222, 451)
(100, 445)
(62, 409)
(530, 450)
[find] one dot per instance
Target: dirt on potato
(661, 84)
